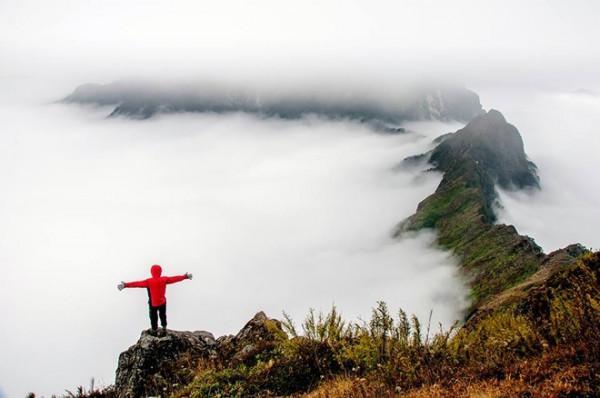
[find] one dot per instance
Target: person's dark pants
(155, 312)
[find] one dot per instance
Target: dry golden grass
(557, 373)
(350, 388)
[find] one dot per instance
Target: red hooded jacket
(157, 285)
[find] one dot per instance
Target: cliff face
(485, 153)
(142, 100)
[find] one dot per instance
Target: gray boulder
(155, 366)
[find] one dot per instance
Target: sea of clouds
(268, 214)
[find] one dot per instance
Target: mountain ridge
(486, 152)
(142, 100)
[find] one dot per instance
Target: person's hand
(188, 275)
(121, 285)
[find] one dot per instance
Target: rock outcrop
(258, 335)
(495, 146)
(158, 365)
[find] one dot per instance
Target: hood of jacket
(156, 271)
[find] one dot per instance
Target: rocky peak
(154, 365)
(158, 365)
(258, 328)
(258, 335)
(566, 255)
(492, 117)
(494, 146)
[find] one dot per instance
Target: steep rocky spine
(485, 153)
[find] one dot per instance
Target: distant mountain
(142, 100)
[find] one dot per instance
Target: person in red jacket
(156, 286)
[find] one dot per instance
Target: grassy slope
(544, 341)
(495, 257)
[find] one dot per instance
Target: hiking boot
(162, 332)
(153, 332)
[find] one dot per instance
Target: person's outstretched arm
(123, 285)
(178, 278)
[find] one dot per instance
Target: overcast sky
(554, 42)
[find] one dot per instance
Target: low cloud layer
(268, 214)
